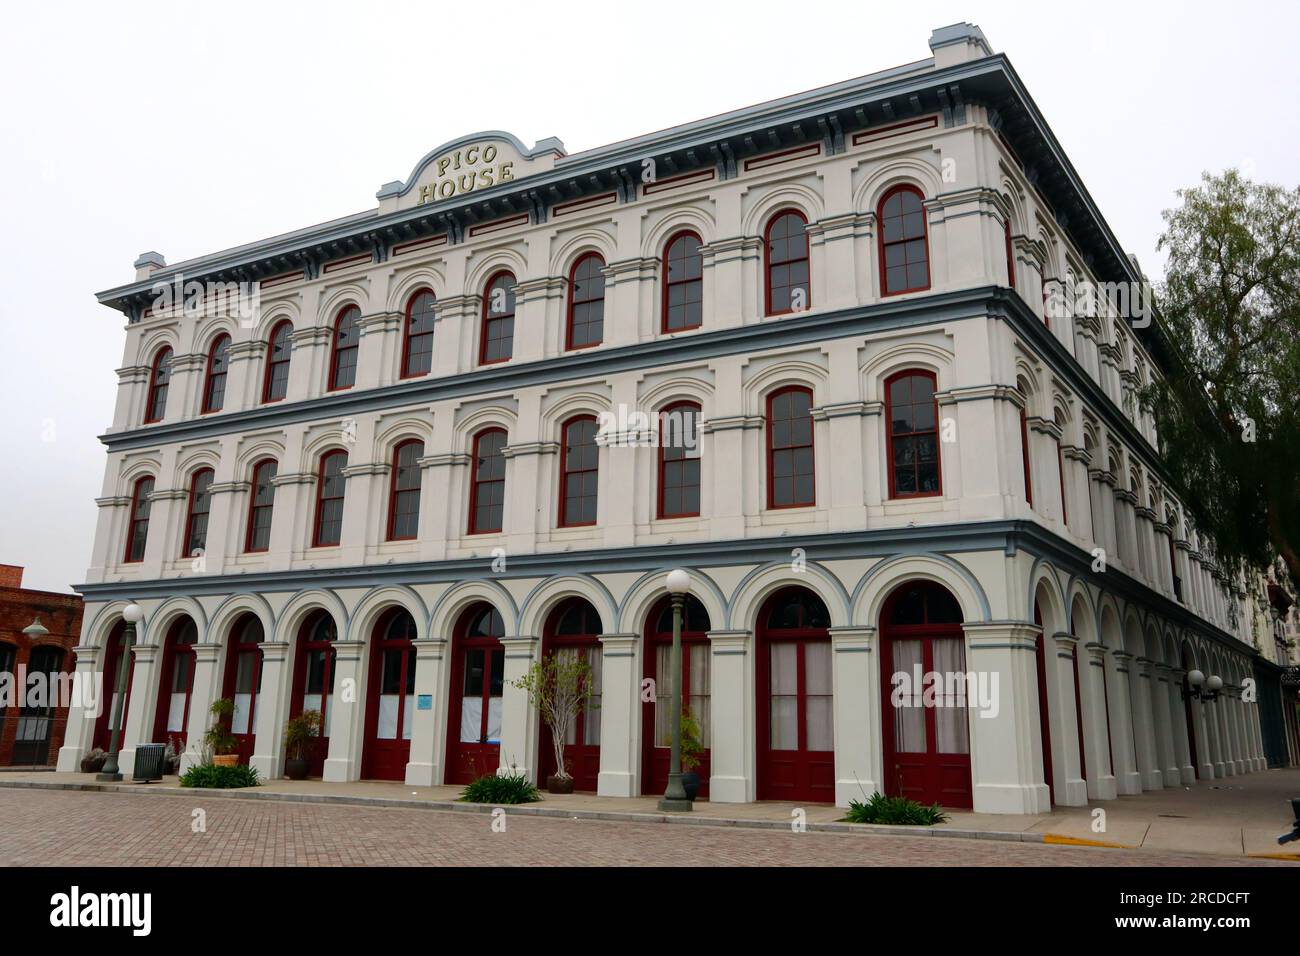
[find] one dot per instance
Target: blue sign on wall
(424, 702)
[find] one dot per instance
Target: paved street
(99, 829)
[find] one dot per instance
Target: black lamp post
(674, 798)
(132, 614)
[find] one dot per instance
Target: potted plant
(300, 735)
(692, 750)
(559, 686)
(219, 740)
(93, 762)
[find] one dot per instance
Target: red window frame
(385, 758)
(173, 650)
(260, 479)
(566, 470)
(420, 337)
(350, 313)
(138, 524)
(489, 318)
(770, 263)
(188, 546)
(894, 493)
(237, 647)
(583, 759)
(654, 759)
(885, 245)
(1024, 453)
(669, 283)
(159, 379)
(595, 287)
(214, 384)
(285, 328)
(678, 457)
(811, 445)
(322, 498)
(477, 482)
(467, 760)
(1011, 259)
(398, 494)
(317, 623)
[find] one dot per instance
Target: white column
(1164, 730)
(203, 693)
(856, 700)
(519, 720)
(1147, 755)
(620, 711)
(1101, 775)
(92, 694)
(1178, 720)
(731, 717)
(272, 710)
(1204, 744)
(347, 716)
(428, 726)
(144, 704)
(1127, 778)
(1072, 791)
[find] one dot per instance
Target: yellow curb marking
(1062, 840)
(1274, 856)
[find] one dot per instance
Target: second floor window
(137, 533)
(488, 482)
(790, 449)
(279, 347)
(912, 425)
(498, 338)
(347, 340)
(417, 353)
(196, 523)
(1024, 450)
(160, 377)
(683, 293)
(586, 303)
(679, 461)
(404, 497)
(330, 482)
(786, 251)
(261, 502)
(904, 258)
(214, 389)
(579, 463)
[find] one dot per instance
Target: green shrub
(213, 777)
(491, 788)
(897, 810)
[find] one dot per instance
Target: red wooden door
(176, 683)
(390, 700)
(116, 657)
(573, 630)
(926, 734)
(656, 717)
(243, 681)
(477, 682)
(313, 681)
(1044, 714)
(796, 743)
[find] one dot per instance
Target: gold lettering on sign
(464, 170)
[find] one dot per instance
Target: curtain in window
(909, 714)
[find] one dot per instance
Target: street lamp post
(674, 799)
(132, 614)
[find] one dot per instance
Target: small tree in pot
(219, 740)
(692, 751)
(559, 686)
(300, 735)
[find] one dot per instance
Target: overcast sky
(188, 128)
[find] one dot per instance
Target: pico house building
(806, 351)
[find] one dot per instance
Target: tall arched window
(683, 293)
(417, 339)
(196, 522)
(679, 461)
(904, 257)
(261, 500)
(404, 496)
(347, 340)
(786, 255)
(1011, 259)
(1059, 417)
(498, 339)
(279, 348)
(330, 484)
(159, 378)
(790, 449)
(579, 461)
(138, 530)
(586, 321)
(1024, 443)
(214, 389)
(912, 431)
(488, 485)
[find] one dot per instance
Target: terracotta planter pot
(557, 784)
(226, 760)
(295, 769)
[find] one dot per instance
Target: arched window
(904, 257)
(330, 484)
(790, 449)
(1011, 258)
(1059, 417)
(138, 531)
(1024, 444)
(694, 689)
(683, 294)
(786, 254)
(347, 339)
(488, 485)
(159, 378)
(196, 523)
(679, 461)
(214, 389)
(912, 431)
(586, 323)
(261, 500)
(404, 496)
(417, 341)
(498, 339)
(279, 348)
(579, 460)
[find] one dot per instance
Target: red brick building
(31, 736)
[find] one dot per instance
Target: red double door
(243, 681)
(116, 658)
(176, 683)
(573, 631)
(478, 660)
(313, 682)
(390, 707)
(656, 718)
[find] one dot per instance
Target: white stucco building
(422, 461)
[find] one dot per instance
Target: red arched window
(417, 339)
(347, 339)
(579, 461)
(330, 483)
(159, 378)
(683, 294)
(488, 484)
(679, 461)
(912, 434)
(214, 389)
(1011, 259)
(404, 496)
(1024, 451)
(904, 257)
(261, 500)
(790, 449)
(196, 521)
(279, 347)
(785, 250)
(498, 338)
(586, 322)
(138, 531)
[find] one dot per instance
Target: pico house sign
(469, 164)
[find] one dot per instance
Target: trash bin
(148, 762)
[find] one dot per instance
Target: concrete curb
(625, 816)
